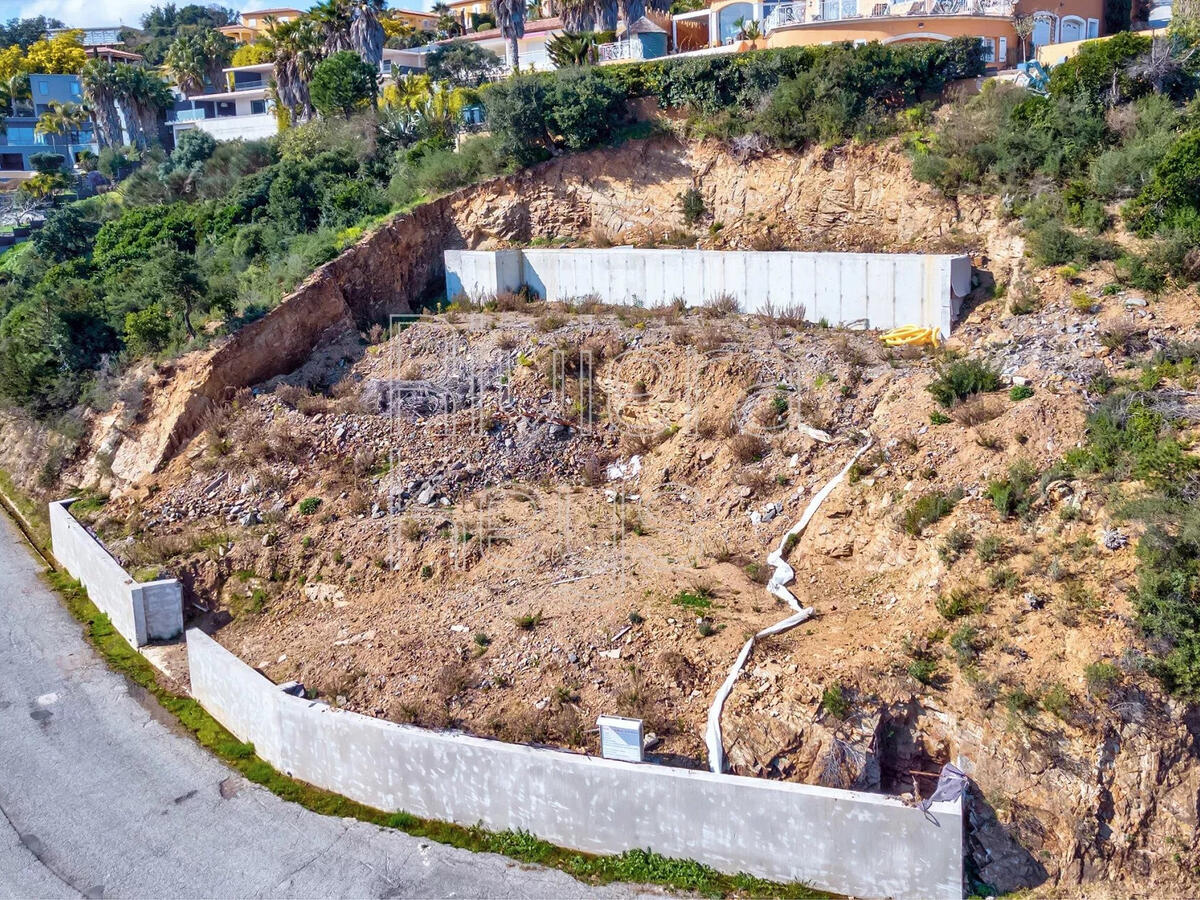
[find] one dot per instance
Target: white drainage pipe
(781, 577)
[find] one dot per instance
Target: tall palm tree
(184, 64)
(98, 79)
(334, 18)
(142, 96)
(296, 48)
(510, 17)
(577, 15)
(606, 15)
(447, 25)
(366, 32)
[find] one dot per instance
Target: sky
(95, 13)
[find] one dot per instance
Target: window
(1071, 29)
(257, 107)
(74, 88)
(11, 162)
(1093, 28)
(1043, 29)
(43, 88)
(1003, 54)
(989, 49)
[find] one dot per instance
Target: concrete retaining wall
(842, 841)
(140, 612)
(884, 290)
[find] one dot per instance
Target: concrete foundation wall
(140, 612)
(881, 290)
(841, 841)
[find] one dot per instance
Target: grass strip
(636, 866)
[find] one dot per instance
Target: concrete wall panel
(842, 841)
(140, 613)
(885, 290)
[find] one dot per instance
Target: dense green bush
(342, 83)
(68, 233)
(1172, 197)
(1051, 244)
(959, 379)
(1092, 71)
(582, 107)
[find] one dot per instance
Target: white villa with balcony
(246, 110)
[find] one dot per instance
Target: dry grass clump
(977, 410)
(747, 448)
(720, 305)
(757, 480)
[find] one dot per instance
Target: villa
(252, 24)
(245, 110)
(19, 142)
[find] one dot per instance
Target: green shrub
(923, 670)
(927, 509)
(309, 505)
(990, 548)
(1057, 701)
(1098, 65)
(1101, 678)
(958, 540)
(582, 108)
(1020, 392)
(834, 701)
(966, 643)
(1052, 244)
(963, 378)
(1011, 495)
(691, 206)
(961, 601)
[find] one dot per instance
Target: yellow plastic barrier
(912, 336)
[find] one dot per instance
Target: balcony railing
(187, 115)
(803, 13)
(619, 50)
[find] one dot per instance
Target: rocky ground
(515, 519)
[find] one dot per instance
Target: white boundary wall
(140, 612)
(882, 290)
(842, 841)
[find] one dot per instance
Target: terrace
(803, 12)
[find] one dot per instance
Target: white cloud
(83, 13)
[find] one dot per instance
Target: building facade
(19, 142)
(246, 109)
(789, 23)
(253, 23)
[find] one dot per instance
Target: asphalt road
(101, 797)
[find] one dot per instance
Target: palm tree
(510, 17)
(572, 48)
(98, 79)
(606, 15)
(61, 119)
(296, 48)
(142, 96)
(366, 36)
(366, 32)
(184, 64)
(14, 89)
(577, 15)
(447, 25)
(334, 18)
